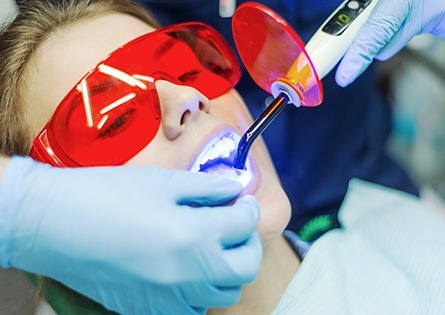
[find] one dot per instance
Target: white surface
(7, 10)
(44, 309)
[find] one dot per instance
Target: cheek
(158, 153)
(274, 213)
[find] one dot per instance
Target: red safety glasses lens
(114, 111)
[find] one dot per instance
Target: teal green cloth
(388, 258)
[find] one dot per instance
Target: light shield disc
(272, 51)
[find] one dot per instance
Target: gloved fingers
(398, 41)
(413, 24)
(200, 189)
(386, 19)
(235, 223)
(417, 22)
(242, 263)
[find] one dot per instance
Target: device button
(353, 5)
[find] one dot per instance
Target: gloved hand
(127, 236)
(391, 25)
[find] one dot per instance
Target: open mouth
(217, 158)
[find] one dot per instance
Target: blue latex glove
(391, 25)
(126, 237)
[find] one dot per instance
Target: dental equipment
(276, 58)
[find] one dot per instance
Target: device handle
(330, 42)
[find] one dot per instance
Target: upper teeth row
(221, 148)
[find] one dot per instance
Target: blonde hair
(35, 22)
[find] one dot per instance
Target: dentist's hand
(131, 238)
(391, 25)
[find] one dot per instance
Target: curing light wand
(261, 123)
(280, 63)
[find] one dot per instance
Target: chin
(275, 214)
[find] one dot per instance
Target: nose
(180, 105)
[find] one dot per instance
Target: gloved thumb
(200, 189)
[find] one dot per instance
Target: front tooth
(231, 144)
(225, 147)
(211, 154)
(222, 148)
(226, 154)
(229, 148)
(219, 147)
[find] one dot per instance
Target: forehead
(69, 54)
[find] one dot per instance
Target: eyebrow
(162, 49)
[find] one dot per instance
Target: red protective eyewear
(114, 111)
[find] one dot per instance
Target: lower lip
(244, 177)
(248, 178)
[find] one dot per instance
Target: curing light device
(278, 61)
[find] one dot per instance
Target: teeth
(219, 148)
(230, 144)
(224, 147)
(215, 159)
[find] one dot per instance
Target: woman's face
(189, 120)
